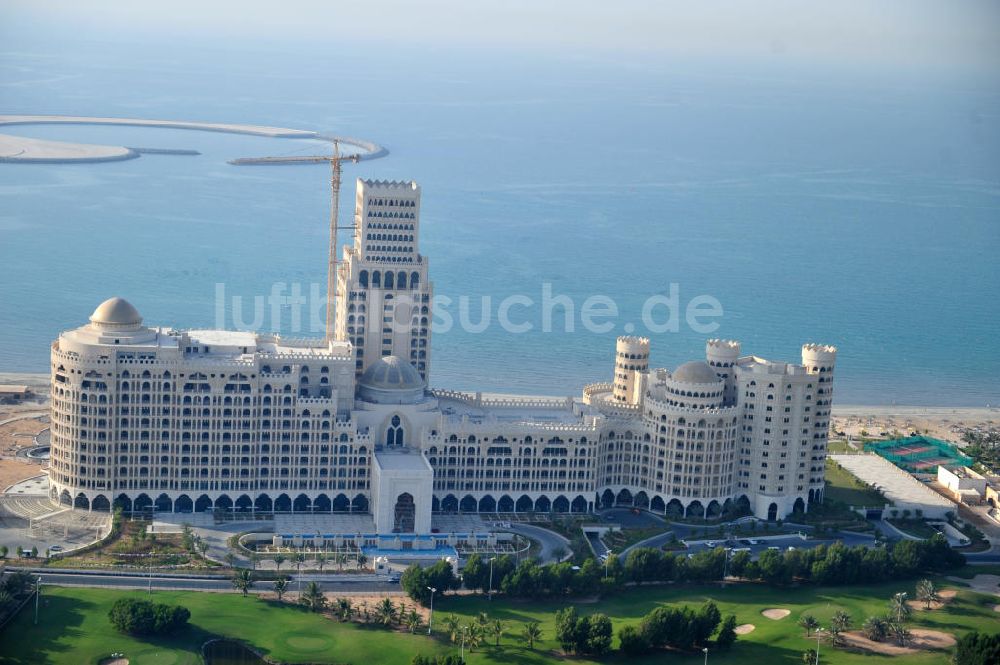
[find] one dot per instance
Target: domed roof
(392, 373)
(117, 312)
(696, 371)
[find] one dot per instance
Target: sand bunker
(115, 661)
(946, 596)
(745, 629)
(776, 613)
(923, 640)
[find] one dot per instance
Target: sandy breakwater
(18, 149)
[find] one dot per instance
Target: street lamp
(463, 643)
(818, 631)
(430, 620)
(607, 558)
(705, 651)
(490, 595)
(38, 592)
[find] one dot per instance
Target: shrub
(141, 617)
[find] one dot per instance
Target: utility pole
(331, 273)
(492, 559)
(430, 619)
(38, 592)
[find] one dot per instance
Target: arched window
(377, 279)
(388, 280)
(414, 280)
(363, 278)
(394, 437)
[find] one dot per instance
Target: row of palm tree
(476, 632)
(320, 559)
(880, 627)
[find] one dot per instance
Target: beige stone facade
(154, 418)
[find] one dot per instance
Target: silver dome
(391, 380)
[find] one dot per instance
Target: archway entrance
(405, 514)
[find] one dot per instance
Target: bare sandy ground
(937, 421)
(745, 629)
(947, 595)
(776, 613)
(923, 640)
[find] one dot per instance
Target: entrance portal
(405, 514)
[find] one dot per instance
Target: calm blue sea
(858, 207)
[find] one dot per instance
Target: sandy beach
(940, 422)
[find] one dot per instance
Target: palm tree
(531, 633)
(5, 598)
(413, 620)
(321, 561)
(280, 586)
(345, 609)
(483, 619)
(876, 628)
(386, 611)
(452, 625)
(300, 559)
(254, 560)
(927, 592)
(899, 633)
(230, 559)
(899, 607)
(313, 597)
(809, 623)
(341, 560)
(362, 560)
(473, 635)
(243, 581)
(278, 560)
(840, 623)
(498, 628)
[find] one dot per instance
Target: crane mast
(331, 269)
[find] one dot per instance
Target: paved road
(550, 541)
(331, 583)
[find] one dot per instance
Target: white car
(753, 541)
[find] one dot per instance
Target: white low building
(965, 484)
(173, 420)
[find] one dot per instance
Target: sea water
(856, 207)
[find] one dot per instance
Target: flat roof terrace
(898, 486)
(489, 408)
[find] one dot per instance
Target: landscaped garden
(74, 627)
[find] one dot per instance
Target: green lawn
(75, 630)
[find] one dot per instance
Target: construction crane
(331, 275)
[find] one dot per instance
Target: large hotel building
(198, 420)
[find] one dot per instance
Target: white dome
(116, 312)
(696, 371)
